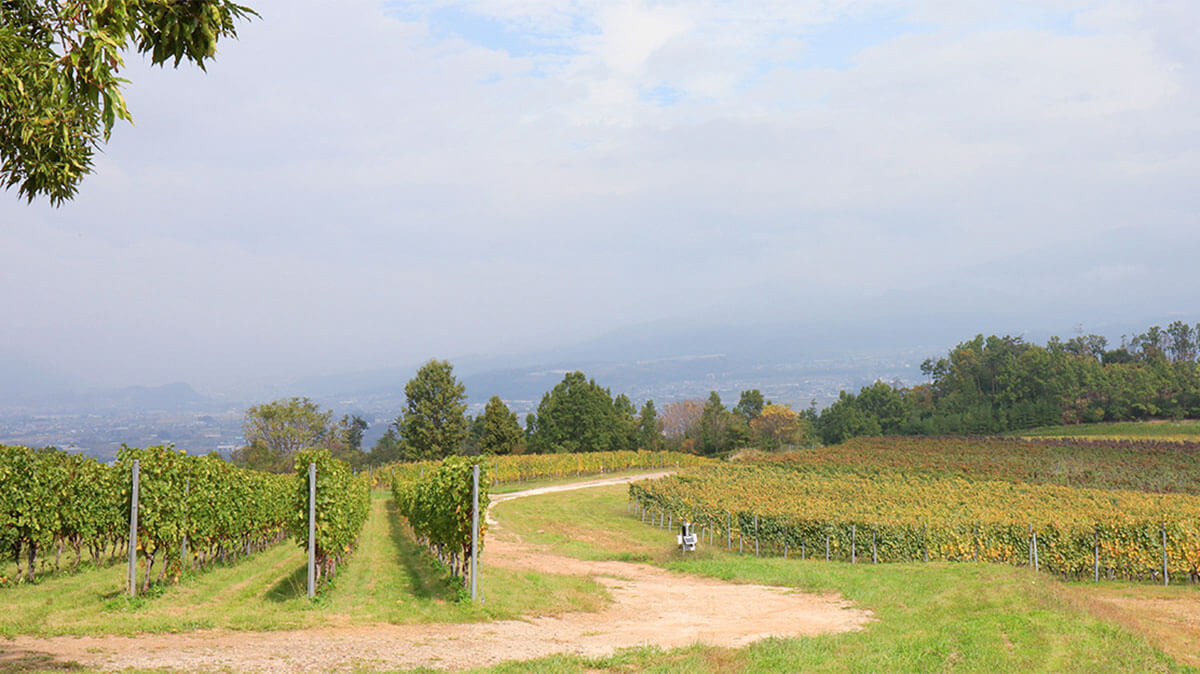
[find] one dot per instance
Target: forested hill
(997, 384)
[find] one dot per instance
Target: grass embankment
(931, 617)
(1178, 431)
(389, 578)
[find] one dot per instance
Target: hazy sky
(360, 184)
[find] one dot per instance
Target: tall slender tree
(501, 434)
(649, 427)
(433, 423)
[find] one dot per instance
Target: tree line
(997, 384)
(985, 385)
(577, 415)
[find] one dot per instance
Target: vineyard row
(1144, 465)
(438, 504)
(1076, 532)
(193, 511)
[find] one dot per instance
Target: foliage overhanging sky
(360, 184)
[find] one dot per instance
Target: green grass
(1135, 430)
(930, 617)
(388, 579)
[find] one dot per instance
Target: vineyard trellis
(1074, 532)
(342, 503)
(1136, 465)
(438, 505)
(56, 500)
(193, 511)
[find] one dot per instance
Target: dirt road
(649, 606)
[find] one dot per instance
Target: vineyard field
(1144, 465)
(894, 517)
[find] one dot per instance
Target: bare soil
(1171, 623)
(649, 606)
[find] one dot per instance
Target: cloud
(367, 183)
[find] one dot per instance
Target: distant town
(203, 425)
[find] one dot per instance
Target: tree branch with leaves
(60, 89)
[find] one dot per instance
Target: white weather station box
(686, 538)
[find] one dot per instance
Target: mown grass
(1178, 431)
(388, 579)
(930, 617)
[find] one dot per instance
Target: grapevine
(944, 518)
(438, 506)
(343, 501)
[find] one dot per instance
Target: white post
(312, 529)
(474, 532)
(133, 525)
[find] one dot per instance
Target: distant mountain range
(175, 397)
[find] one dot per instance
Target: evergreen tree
(500, 433)
(649, 428)
(577, 415)
(625, 418)
(750, 404)
(434, 423)
(713, 427)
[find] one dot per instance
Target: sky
(359, 184)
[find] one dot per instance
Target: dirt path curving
(649, 606)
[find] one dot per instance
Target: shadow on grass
(19, 660)
(292, 587)
(425, 577)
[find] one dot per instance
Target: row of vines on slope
(1141, 465)
(438, 506)
(914, 517)
(222, 511)
(524, 467)
(342, 503)
(52, 499)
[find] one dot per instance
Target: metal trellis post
(312, 529)
(133, 527)
(474, 532)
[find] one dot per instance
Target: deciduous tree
(680, 418)
(60, 88)
(275, 431)
(778, 427)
